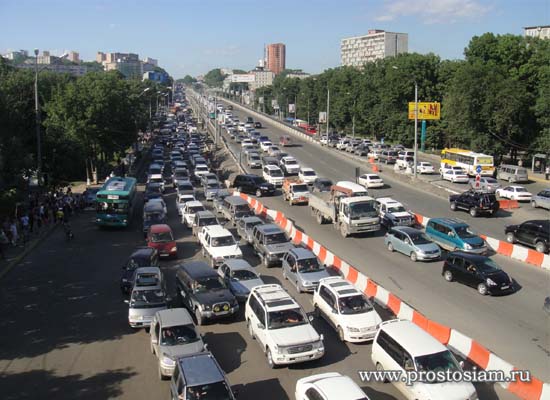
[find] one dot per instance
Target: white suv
(346, 309)
(281, 327)
(218, 244)
(289, 165)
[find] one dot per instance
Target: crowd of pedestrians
(38, 213)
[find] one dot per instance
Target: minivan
(453, 235)
(512, 173)
(401, 345)
(273, 175)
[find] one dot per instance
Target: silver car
(413, 243)
(143, 305)
(239, 277)
(541, 199)
(302, 268)
(487, 184)
(173, 334)
(245, 227)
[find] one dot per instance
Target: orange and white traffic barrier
(457, 341)
(508, 204)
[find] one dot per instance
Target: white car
(289, 165)
(218, 244)
(424, 167)
(371, 181)
(307, 175)
(324, 140)
(188, 212)
(200, 170)
(455, 176)
(375, 154)
(158, 201)
(518, 193)
(281, 327)
(182, 199)
(265, 145)
(246, 142)
(328, 386)
(346, 309)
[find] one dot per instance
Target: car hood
(245, 286)
(225, 251)
(279, 247)
(427, 247)
(364, 320)
(474, 241)
(499, 277)
(295, 335)
(314, 276)
(215, 296)
(182, 349)
(402, 214)
(447, 390)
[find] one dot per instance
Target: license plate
(303, 358)
(222, 312)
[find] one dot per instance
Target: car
(307, 175)
(246, 225)
(486, 184)
(289, 165)
(425, 167)
(179, 174)
(270, 243)
(218, 244)
(413, 243)
(328, 386)
(217, 201)
(257, 125)
(455, 175)
(153, 214)
(253, 184)
(324, 140)
(322, 185)
(393, 213)
(158, 201)
(533, 233)
(370, 181)
(152, 191)
(210, 188)
(541, 199)
(302, 268)
(281, 327)
(514, 192)
(253, 160)
(144, 303)
(160, 237)
(203, 218)
(201, 290)
(200, 169)
(185, 187)
(388, 157)
(189, 211)
(181, 200)
(346, 310)
(273, 174)
(240, 277)
(141, 257)
(475, 202)
(477, 271)
(90, 196)
(453, 235)
(149, 277)
(234, 208)
(265, 145)
(361, 150)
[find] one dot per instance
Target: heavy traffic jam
(236, 244)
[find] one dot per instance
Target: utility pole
(415, 126)
(328, 109)
(353, 119)
(38, 122)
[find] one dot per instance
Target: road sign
(478, 169)
(477, 183)
(425, 110)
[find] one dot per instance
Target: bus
(115, 202)
(468, 161)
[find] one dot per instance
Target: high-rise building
(100, 57)
(276, 57)
(541, 31)
(358, 50)
(73, 56)
(152, 61)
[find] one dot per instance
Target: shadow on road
(227, 348)
(269, 389)
(375, 394)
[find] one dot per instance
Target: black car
(141, 257)
(322, 185)
(203, 292)
(534, 233)
(253, 184)
(475, 202)
(477, 271)
(152, 191)
(257, 125)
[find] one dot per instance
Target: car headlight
(174, 248)
(307, 283)
(468, 246)
(491, 282)
(167, 360)
(206, 307)
(124, 280)
(352, 329)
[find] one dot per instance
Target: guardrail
(457, 341)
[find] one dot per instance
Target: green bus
(115, 202)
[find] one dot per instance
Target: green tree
(214, 78)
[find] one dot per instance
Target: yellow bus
(468, 160)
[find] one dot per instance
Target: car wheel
(448, 275)
(199, 317)
(390, 247)
(510, 237)
(473, 212)
(482, 289)
(258, 193)
(540, 247)
(453, 206)
(340, 334)
(534, 204)
(162, 377)
(270, 361)
(414, 257)
(250, 330)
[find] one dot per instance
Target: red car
(160, 237)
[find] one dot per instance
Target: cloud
(440, 11)
(227, 51)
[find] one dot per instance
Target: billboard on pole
(426, 110)
(292, 108)
(235, 78)
(322, 117)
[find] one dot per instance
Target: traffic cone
(374, 168)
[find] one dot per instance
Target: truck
(348, 213)
(295, 191)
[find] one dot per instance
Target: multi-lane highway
(515, 326)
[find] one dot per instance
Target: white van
(401, 345)
(351, 189)
(512, 173)
(273, 175)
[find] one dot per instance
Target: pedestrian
(547, 172)
(13, 231)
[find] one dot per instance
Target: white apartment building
(541, 31)
(358, 50)
(262, 78)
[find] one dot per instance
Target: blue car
(454, 235)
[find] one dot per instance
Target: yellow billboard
(426, 110)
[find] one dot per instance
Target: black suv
(141, 257)
(253, 184)
(475, 202)
(204, 292)
(534, 233)
(477, 271)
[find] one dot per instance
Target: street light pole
(415, 126)
(328, 108)
(353, 120)
(37, 121)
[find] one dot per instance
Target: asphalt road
(518, 318)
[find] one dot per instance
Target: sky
(195, 36)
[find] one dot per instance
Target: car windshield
(363, 209)
(254, 158)
(243, 275)
(285, 318)
(196, 209)
(443, 361)
(488, 266)
(213, 185)
(111, 208)
(300, 188)
(291, 162)
(183, 188)
(162, 237)
(223, 241)
(209, 283)
(156, 180)
(147, 299)
(201, 168)
(276, 173)
(182, 174)
(420, 238)
(276, 238)
(309, 173)
(155, 171)
(251, 225)
(154, 217)
(394, 209)
(464, 232)
(309, 265)
(356, 304)
(208, 221)
(150, 279)
(176, 335)
(242, 207)
(154, 188)
(212, 391)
